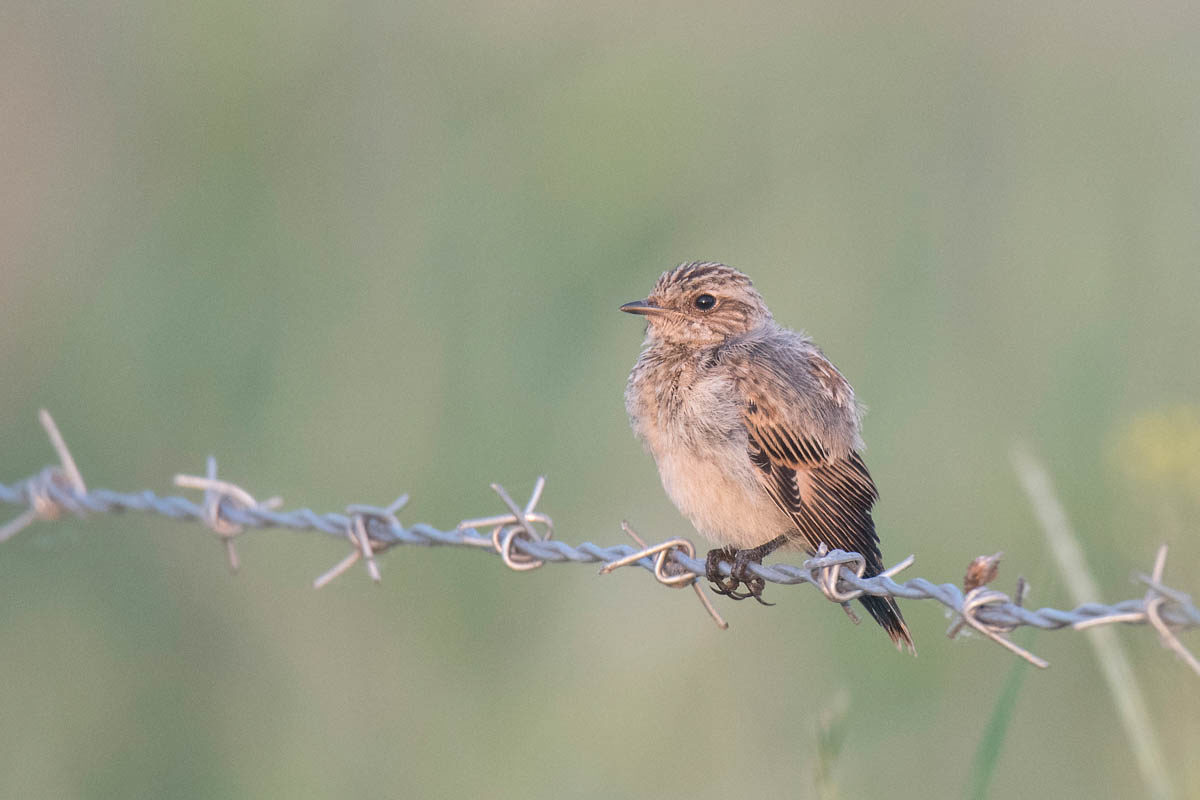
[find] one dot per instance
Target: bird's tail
(887, 614)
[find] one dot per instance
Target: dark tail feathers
(887, 614)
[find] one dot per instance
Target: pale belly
(727, 505)
(705, 467)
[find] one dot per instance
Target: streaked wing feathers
(828, 497)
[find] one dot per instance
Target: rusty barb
(524, 539)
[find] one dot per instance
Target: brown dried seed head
(982, 571)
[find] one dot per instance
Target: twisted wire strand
(522, 538)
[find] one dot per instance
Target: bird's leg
(739, 573)
(743, 559)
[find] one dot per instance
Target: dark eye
(704, 302)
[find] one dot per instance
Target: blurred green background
(360, 249)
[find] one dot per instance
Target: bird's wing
(808, 464)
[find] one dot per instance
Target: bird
(756, 434)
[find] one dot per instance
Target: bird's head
(700, 303)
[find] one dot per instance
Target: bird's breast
(691, 421)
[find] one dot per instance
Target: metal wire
(522, 538)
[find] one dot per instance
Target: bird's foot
(712, 570)
(739, 574)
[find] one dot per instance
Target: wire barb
(215, 493)
(982, 596)
(50, 491)
(825, 569)
(358, 532)
(668, 573)
(1157, 595)
(508, 527)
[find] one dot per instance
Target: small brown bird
(755, 433)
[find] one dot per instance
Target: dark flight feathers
(828, 498)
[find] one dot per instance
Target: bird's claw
(712, 571)
(739, 574)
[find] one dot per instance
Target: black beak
(644, 307)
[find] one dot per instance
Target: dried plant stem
(1114, 663)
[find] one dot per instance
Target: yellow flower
(1162, 449)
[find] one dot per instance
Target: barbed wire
(523, 538)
